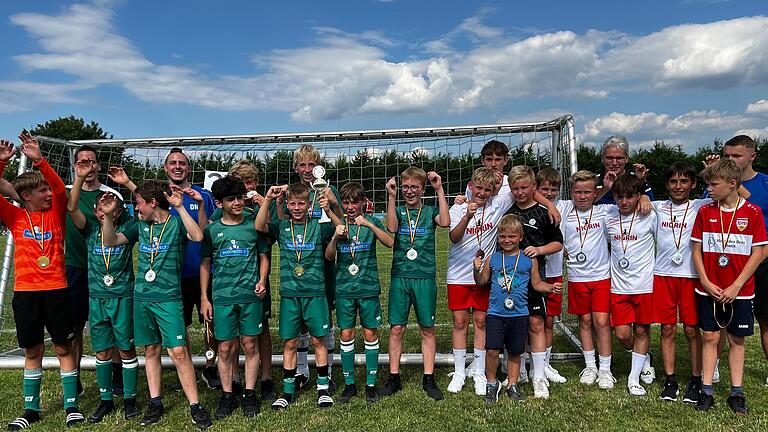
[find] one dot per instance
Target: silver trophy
(319, 185)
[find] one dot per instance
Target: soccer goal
(368, 157)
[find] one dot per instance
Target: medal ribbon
(621, 227)
(351, 244)
(40, 243)
(152, 251)
(586, 227)
(108, 257)
(672, 218)
(508, 285)
(730, 224)
(478, 229)
(412, 231)
(299, 250)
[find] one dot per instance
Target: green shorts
(159, 322)
(309, 311)
(347, 311)
(421, 293)
(233, 321)
(111, 323)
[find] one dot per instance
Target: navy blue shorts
(510, 333)
(737, 318)
(77, 287)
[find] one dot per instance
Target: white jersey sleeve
(632, 252)
(554, 267)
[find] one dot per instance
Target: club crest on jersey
(233, 250)
(741, 223)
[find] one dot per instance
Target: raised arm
(457, 232)
(391, 205)
(330, 250)
(6, 153)
(176, 200)
(118, 175)
(443, 218)
(261, 222)
(325, 204)
(31, 149)
(111, 238)
(81, 172)
(202, 214)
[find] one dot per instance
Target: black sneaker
(693, 391)
(237, 389)
(671, 390)
(492, 392)
(372, 394)
(250, 404)
(350, 391)
(514, 393)
(738, 404)
(429, 386)
(210, 377)
(153, 415)
(392, 386)
(705, 402)
(268, 390)
(105, 408)
(282, 402)
(74, 417)
(324, 399)
(176, 386)
(25, 421)
(130, 410)
(227, 405)
(200, 417)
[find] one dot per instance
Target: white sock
(538, 364)
(523, 358)
(459, 360)
(605, 363)
(330, 345)
(647, 361)
(638, 360)
(302, 367)
(479, 362)
(717, 363)
(548, 354)
(589, 359)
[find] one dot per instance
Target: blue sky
(685, 71)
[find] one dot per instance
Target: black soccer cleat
(372, 394)
(350, 391)
(74, 417)
(130, 410)
(227, 405)
(250, 404)
(105, 408)
(153, 415)
(30, 416)
(430, 387)
(391, 386)
(200, 417)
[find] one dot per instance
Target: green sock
(348, 361)
(69, 384)
(130, 377)
(371, 362)
(289, 381)
(104, 378)
(32, 380)
(322, 377)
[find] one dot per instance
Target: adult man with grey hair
(614, 154)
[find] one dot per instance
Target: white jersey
(554, 267)
(673, 236)
(584, 233)
(503, 191)
(632, 251)
(485, 224)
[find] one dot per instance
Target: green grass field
(571, 406)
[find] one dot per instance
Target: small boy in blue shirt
(508, 271)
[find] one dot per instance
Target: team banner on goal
(212, 176)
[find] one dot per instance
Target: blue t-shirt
(758, 189)
(191, 267)
(519, 291)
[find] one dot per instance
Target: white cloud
(25, 95)
(649, 126)
(754, 133)
(758, 107)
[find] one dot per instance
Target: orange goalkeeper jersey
(48, 227)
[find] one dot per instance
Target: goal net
(367, 157)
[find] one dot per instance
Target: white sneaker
(523, 377)
(553, 375)
(588, 375)
(457, 383)
(505, 383)
(648, 374)
(540, 389)
(636, 390)
(480, 383)
(716, 375)
(605, 380)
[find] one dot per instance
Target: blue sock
(737, 390)
(707, 389)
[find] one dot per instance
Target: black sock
(156, 401)
(195, 407)
(671, 377)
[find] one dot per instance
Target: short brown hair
(723, 169)
(28, 181)
(582, 176)
(297, 191)
(741, 140)
(627, 184)
(154, 190)
(304, 152)
(415, 173)
(495, 148)
(352, 191)
(521, 172)
(511, 223)
(245, 170)
(549, 175)
(484, 176)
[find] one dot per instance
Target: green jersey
(161, 249)
(362, 242)
(234, 252)
(302, 249)
(423, 233)
(114, 262)
(74, 239)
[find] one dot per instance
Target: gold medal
(298, 271)
(43, 261)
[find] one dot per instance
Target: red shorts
(554, 301)
(588, 297)
(631, 309)
(671, 294)
(462, 297)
